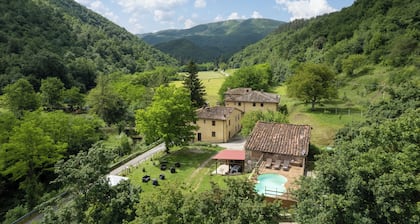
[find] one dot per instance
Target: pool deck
(292, 175)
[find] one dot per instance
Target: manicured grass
(188, 177)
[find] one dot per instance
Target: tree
(312, 83)
(170, 117)
(195, 86)
(250, 119)
(79, 133)
(257, 77)
(21, 96)
(372, 174)
(105, 102)
(52, 93)
(28, 152)
(93, 199)
(73, 98)
(237, 203)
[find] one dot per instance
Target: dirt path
(197, 171)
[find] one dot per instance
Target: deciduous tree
(250, 119)
(93, 199)
(21, 96)
(257, 77)
(105, 102)
(52, 93)
(28, 152)
(312, 83)
(170, 117)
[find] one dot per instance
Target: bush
(15, 213)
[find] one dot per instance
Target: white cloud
(235, 15)
(218, 18)
(188, 23)
(302, 9)
(200, 4)
(150, 5)
(256, 15)
(162, 16)
(99, 7)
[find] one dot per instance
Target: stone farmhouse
(220, 123)
(279, 145)
(217, 124)
(246, 100)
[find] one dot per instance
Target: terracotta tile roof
(230, 154)
(285, 139)
(249, 95)
(215, 113)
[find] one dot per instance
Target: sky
(146, 16)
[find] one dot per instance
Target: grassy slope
(212, 80)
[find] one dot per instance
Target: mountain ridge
(214, 41)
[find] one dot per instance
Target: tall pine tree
(195, 86)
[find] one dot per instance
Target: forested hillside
(60, 38)
(352, 41)
(211, 42)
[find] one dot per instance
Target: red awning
(230, 154)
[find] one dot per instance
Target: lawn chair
(277, 164)
(268, 162)
(286, 165)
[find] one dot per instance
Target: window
(213, 134)
(262, 104)
(254, 104)
(229, 122)
(239, 103)
(213, 123)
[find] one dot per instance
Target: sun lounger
(286, 165)
(277, 164)
(268, 163)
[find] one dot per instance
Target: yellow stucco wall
(223, 129)
(248, 106)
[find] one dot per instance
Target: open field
(212, 81)
(325, 121)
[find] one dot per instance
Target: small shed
(232, 158)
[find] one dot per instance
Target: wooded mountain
(213, 41)
(366, 34)
(61, 38)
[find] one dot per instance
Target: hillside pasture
(212, 81)
(325, 120)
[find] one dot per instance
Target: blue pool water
(270, 184)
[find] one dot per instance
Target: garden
(190, 168)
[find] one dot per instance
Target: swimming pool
(270, 184)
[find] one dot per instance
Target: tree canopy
(312, 83)
(92, 198)
(170, 117)
(251, 118)
(371, 176)
(238, 203)
(258, 77)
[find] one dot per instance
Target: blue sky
(144, 16)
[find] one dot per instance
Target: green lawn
(189, 177)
